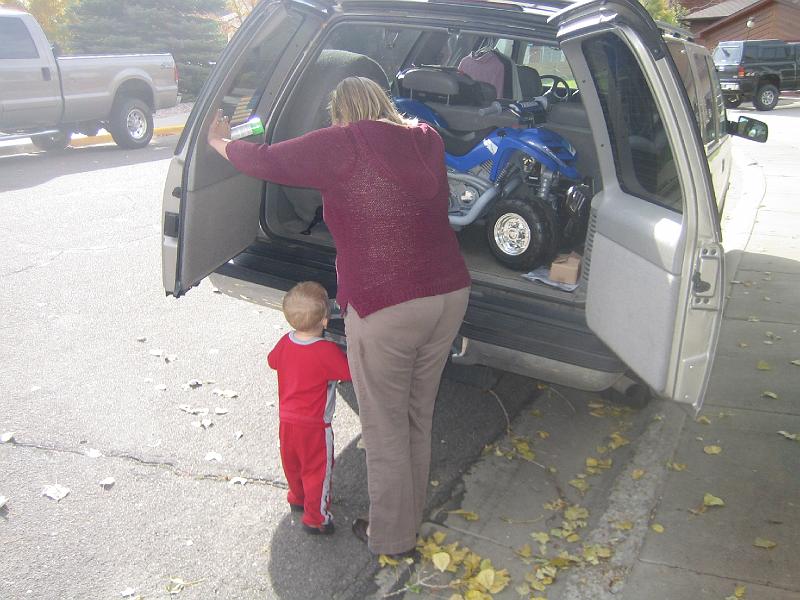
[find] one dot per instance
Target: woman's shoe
(360, 527)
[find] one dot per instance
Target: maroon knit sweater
(385, 198)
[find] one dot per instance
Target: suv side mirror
(751, 129)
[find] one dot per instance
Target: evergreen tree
(188, 29)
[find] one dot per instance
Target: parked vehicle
(757, 71)
(643, 116)
(48, 97)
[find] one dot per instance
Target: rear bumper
(531, 336)
(737, 87)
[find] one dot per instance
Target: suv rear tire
(131, 123)
(766, 97)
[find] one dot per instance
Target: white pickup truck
(48, 97)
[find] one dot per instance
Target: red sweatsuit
(307, 374)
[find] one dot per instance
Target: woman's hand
(220, 128)
(219, 133)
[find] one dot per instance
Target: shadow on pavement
(21, 171)
(466, 419)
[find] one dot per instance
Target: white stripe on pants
(396, 358)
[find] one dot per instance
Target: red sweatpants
(307, 457)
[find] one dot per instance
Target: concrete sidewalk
(645, 507)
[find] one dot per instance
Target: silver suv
(639, 104)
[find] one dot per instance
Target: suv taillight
(741, 71)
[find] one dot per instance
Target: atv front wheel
(519, 234)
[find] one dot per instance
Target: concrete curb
(94, 140)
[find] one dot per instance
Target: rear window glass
(727, 54)
(643, 157)
(387, 46)
(15, 41)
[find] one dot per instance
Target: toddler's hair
(306, 305)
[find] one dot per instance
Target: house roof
(721, 10)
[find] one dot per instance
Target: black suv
(757, 70)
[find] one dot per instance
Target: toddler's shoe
(325, 529)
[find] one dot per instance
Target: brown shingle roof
(721, 10)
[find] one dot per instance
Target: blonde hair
(360, 99)
(305, 306)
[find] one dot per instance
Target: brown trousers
(396, 358)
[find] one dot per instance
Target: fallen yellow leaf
(763, 365)
(711, 500)
(591, 462)
(637, 474)
(543, 434)
(439, 536)
(767, 394)
(703, 420)
(573, 537)
(486, 578)
(657, 527)
(740, 591)
(579, 484)
(387, 561)
(617, 440)
(441, 560)
(764, 543)
(525, 551)
(468, 515)
(673, 466)
(790, 436)
(623, 525)
(712, 449)
(796, 363)
(541, 537)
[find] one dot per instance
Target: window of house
(15, 41)
(643, 158)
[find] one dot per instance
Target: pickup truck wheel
(519, 234)
(733, 101)
(52, 142)
(766, 97)
(131, 123)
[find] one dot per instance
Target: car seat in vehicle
(307, 110)
(530, 82)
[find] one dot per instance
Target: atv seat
(456, 97)
(459, 143)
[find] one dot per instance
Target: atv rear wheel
(519, 233)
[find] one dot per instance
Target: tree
(241, 8)
(669, 11)
(188, 29)
(49, 14)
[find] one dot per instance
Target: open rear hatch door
(656, 265)
(210, 211)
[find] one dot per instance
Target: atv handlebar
(493, 109)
